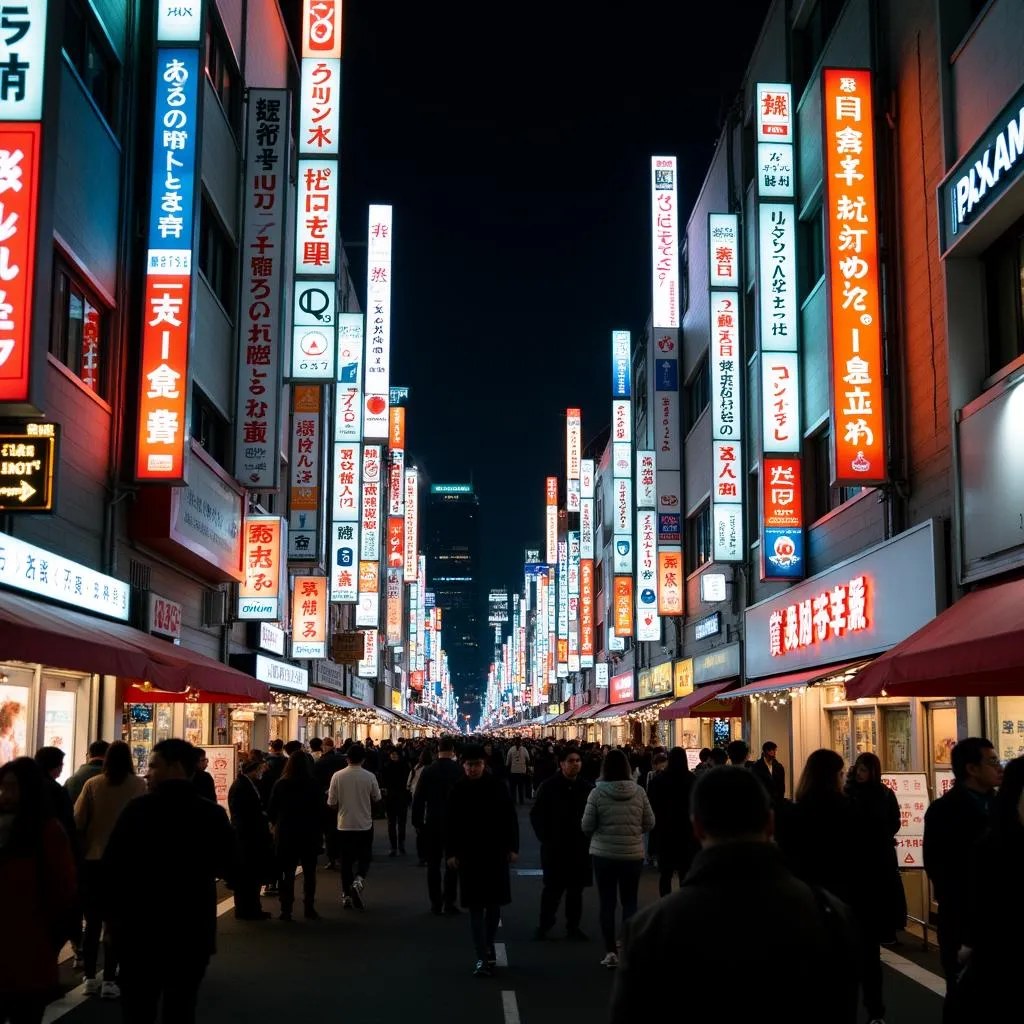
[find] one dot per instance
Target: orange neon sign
(830, 615)
(623, 605)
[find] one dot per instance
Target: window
(809, 42)
(698, 539)
(821, 498)
(222, 71)
(599, 577)
(209, 428)
(698, 394)
(78, 336)
(811, 251)
(217, 253)
(92, 57)
(1004, 283)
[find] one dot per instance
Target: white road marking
(501, 954)
(915, 972)
(510, 1007)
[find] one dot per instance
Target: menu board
(222, 766)
(911, 789)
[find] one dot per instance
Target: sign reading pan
(28, 462)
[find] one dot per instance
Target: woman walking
(97, 809)
(425, 759)
(295, 818)
(616, 817)
(256, 855)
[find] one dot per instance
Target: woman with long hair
(37, 879)
(295, 818)
(97, 809)
(426, 758)
(615, 819)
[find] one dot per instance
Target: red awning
(614, 710)
(587, 711)
(973, 649)
(806, 678)
(51, 635)
(564, 716)
(705, 703)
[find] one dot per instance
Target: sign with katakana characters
(309, 617)
(621, 365)
(666, 428)
(724, 250)
(22, 60)
(265, 567)
(573, 443)
(852, 279)
(369, 527)
(316, 219)
(412, 505)
(367, 668)
(165, 381)
(777, 282)
(345, 562)
(563, 594)
(911, 789)
(347, 466)
(646, 480)
(586, 613)
(43, 574)
(670, 581)
(587, 528)
(304, 475)
(320, 105)
(258, 404)
(574, 564)
(782, 530)
(378, 323)
(780, 402)
(393, 596)
(665, 241)
(774, 112)
(727, 367)
(646, 589)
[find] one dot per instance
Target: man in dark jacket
(673, 839)
(564, 849)
(203, 780)
(394, 780)
(952, 825)
(770, 773)
(275, 762)
(252, 827)
(429, 810)
(171, 834)
(51, 760)
(739, 875)
(91, 768)
(325, 769)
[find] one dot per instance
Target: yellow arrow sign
(22, 492)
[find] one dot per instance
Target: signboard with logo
(911, 790)
(719, 663)
(309, 617)
(710, 625)
(620, 688)
(265, 564)
(164, 617)
(682, 672)
(28, 466)
(657, 682)
(782, 533)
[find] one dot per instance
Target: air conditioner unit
(215, 608)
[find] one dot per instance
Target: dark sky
(513, 141)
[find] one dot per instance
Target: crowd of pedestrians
(817, 874)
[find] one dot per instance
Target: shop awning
(809, 677)
(563, 717)
(627, 708)
(37, 632)
(707, 702)
(587, 711)
(335, 699)
(973, 649)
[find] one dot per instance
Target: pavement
(397, 961)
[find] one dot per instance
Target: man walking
(353, 792)
(91, 768)
(770, 773)
(429, 810)
(564, 849)
(324, 770)
(518, 763)
(394, 780)
(185, 842)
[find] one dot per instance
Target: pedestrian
(703, 761)
(617, 815)
(324, 770)
(952, 826)
(102, 800)
(91, 768)
(518, 763)
(394, 783)
(429, 814)
(51, 760)
(353, 792)
(718, 757)
(295, 814)
(737, 752)
(659, 762)
(255, 850)
(673, 839)
(275, 760)
(770, 773)
(556, 816)
(316, 748)
(481, 841)
(37, 879)
(739, 875)
(495, 760)
(424, 760)
(172, 845)
(203, 780)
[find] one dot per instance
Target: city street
(396, 961)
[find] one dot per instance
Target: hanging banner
(622, 607)
(369, 525)
(665, 241)
(309, 617)
(782, 530)
(411, 525)
(265, 565)
(345, 562)
(670, 581)
(378, 324)
(304, 475)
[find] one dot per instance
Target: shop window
(78, 335)
(92, 57)
(222, 70)
(809, 42)
(839, 733)
(811, 248)
(865, 731)
(698, 394)
(14, 731)
(210, 430)
(820, 497)
(1008, 735)
(698, 539)
(1004, 283)
(896, 725)
(217, 254)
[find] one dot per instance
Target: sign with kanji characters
(586, 613)
(304, 475)
(777, 282)
(551, 519)
(393, 623)
(852, 280)
(621, 364)
(573, 442)
(396, 481)
(368, 605)
(314, 350)
(347, 466)
(258, 403)
(724, 250)
(348, 390)
(774, 112)
(586, 478)
(587, 528)
(316, 219)
(396, 542)
(622, 421)
(647, 575)
(321, 29)
(622, 516)
(265, 567)
(320, 105)
(776, 173)
(646, 480)
(369, 526)
(727, 366)
(911, 789)
(368, 664)
(620, 689)
(727, 533)
(167, 296)
(412, 504)
(378, 323)
(22, 60)
(28, 467)
(665, 241)
(825, 616)
(309, 617)
(780, 402)
(563, 594)
(396, 428)
(622, 606)
(727, 467)
(573, 540)
(782, 541)
(670, 581)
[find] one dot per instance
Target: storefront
(700, 716)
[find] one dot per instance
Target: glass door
(896, 730)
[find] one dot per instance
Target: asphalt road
(396, 961)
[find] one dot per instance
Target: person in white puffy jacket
(616, 817)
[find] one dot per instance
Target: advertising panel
(727, 533)
(314, 353)
(621, 364)
(724, 250)
(587, 528)
(28, 464)
(304, 475)
(777, 276)
(345, 562)
(367, 667)
(657, 682)
(265, 565)
(726, 366)
(396, 542)
(586, 478)
(622, 423)
(411, 525)
(369, 525)
(497, 607)
(665, 241)
(646, 481)
(348, 390)
(396, 482)
(309, 617)
(775, 166)
(586, 613)
(573, 442)
(378, 323)
(646, 562)
(780, 402)
(346, 464)
(623, 515)
(670, 581)
(620, 688)
(782, 518)
(622, 606)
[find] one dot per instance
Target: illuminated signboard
(832, 614)
(28, 463)
(727, 366)
(724, 250)
(347, 463)
(727, 532)
(258, 401)
(587, 528)
(646, 481)
(852, 279)
(316, 224)
(345, 562)
(551, 520)
(348, 390)
(648, 626)
(367, 667)
(265, 566)
(780, 402)
(586, 613)
(621, 365)
(777, 271)
(622, 422)
(670, 581)
(563, 592)
(573, 441)
(682, 673)
(396, 429)
(497, 607)
(411, 524)
(620, 689)
(369, 526)
(378, 324)
(622, 606)
(396, 482)
(304, 475)
(775, 167)
(314, 332)
(664, 241)
(451, 488)
(586, 478)
(167, 306)
(394, 607)
(782, 518)
(396, 541)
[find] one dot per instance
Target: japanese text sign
(782, 542)
(369, 527)
(622, 606)
(622, 422)
(726, 366)
(586, 612)
(587, 528)
(396, 428)
(620, 689)
(22, 60)
(727, 533)
(621, 365)
(911, 789)
(265, 566)
(316, 218)
(670, 581)
(774, 112)
(780, 402)
(777, 281)
(320, 105)
(724, 250)
(309, 617)
(345, 562)
(348, 392)
(378, 322)
(304, 474)
(727, 466)
(833, 613)
(646, 480)
(852, 278)
(665, 241)
(646, 565)
(394, 619)
(367, 667)
(347, 465)
(411, 525)
(586, 478)
(396, 542)
(396, 481)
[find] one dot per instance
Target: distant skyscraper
(452, 524)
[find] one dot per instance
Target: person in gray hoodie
(615, 819)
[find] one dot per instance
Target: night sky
(514, 142)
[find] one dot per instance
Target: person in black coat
(564, 849)
(172, 845)
(203, 780)
(770, 773)
(295, 814)
(952, 825)
(256, 856)
(323, 771)
(673, 839)
(275, 762)
(429, 810)
(394, 783)
(481, 841)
